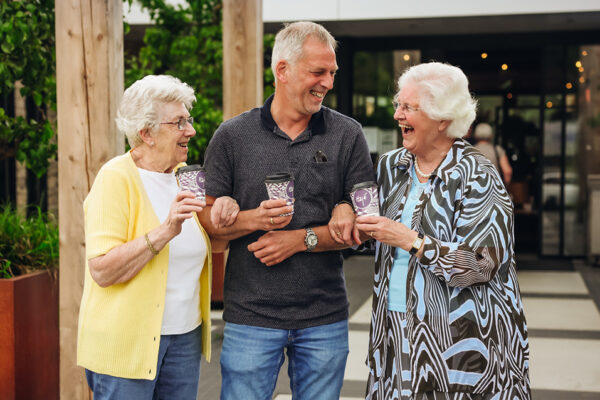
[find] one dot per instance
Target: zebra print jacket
(466, 327)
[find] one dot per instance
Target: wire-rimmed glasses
(180, 122)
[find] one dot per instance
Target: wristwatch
(416, 244)
(310, 239)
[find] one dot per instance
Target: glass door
(520, 135)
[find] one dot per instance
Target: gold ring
(339, 233)
(272, 223)
(371, 234)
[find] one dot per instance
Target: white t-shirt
(187, 253)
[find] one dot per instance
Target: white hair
(443, 95)
(141, 103)
(483, 131)
(290, 41)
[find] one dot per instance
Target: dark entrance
(530, 90)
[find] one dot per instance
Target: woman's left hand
(224, 211)
(387, 231)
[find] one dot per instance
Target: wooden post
(89, 70)
(242, 56)
(242, 87)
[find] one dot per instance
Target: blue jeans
(177, 373)
(252, 356)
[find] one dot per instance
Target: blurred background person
(484, 141)
(447, 320)
(145, 312)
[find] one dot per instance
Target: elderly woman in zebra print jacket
(447, 319)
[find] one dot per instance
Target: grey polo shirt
(307, 289)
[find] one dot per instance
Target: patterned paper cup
(365, 198)
(281, 186)
(191, 177)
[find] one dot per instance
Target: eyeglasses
(405, 107)
(180, 122)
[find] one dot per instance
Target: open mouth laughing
(320, 95)
(406, 129)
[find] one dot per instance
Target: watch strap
(310, 234)
(417, 243)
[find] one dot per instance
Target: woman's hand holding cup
(183, 207)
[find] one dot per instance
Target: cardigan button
(150, 372)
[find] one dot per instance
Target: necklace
(421, 174)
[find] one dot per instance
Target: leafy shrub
(27, 55)
(185, 41)
(26, 244)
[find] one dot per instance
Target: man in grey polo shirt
(284, 282)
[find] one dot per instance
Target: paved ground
(562, 310)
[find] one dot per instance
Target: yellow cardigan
(119, 326)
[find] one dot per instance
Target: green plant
(186, 41)
(268, 78)
(27, 55)
(26, 244)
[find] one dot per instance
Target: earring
(151, 144)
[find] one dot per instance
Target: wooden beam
(89, 70)
(242, 56)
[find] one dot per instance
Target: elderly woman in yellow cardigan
(145, 313)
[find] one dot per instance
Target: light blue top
(397, 286)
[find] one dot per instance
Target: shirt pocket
(320, 179)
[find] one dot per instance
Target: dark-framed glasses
(405, 107)
(180, 122)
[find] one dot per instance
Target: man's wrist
(344, 202)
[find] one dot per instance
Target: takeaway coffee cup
(191, 177)
(365, 198)
(281, 186)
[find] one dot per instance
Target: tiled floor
(562, 311)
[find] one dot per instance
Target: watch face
(310, 240)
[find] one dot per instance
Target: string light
(578, 64)
(406, 57)
(569, 85)
(484, 55)
(504, 67)
(549, 104)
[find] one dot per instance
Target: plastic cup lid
(279, 177)
(364, 185)
(190, 168)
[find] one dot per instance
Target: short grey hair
(443, 95)
(290, 40)
(141, 103)
(483, 131)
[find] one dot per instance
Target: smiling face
(306, 82)
(421, 135)
(171, 144)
